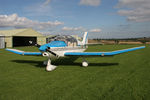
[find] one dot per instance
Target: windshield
(69, 40)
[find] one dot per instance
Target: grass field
(122, 77)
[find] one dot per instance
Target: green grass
(122, 77)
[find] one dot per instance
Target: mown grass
(121, 77)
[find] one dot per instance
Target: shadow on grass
(64, 62)
(30, 62)
(61, 61)
(71, 61)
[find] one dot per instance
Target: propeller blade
(48, 50)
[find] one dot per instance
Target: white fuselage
(62, 50)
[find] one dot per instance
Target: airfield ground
(122, 77)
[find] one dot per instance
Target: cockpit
(69, 40)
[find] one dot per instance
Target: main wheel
(84, 64)
(50, 68)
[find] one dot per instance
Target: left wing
(102, 53)
(24, 53)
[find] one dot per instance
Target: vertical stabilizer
(85, 39)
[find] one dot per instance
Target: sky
(100, 18)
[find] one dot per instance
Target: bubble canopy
(59, 41)
(65, 38)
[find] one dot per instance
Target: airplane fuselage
(62, 50)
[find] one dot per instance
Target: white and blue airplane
(59, 48)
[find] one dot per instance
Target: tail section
(85, 39)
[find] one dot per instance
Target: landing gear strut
(49, 66)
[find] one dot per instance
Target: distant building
(2, 42)
(21, 37)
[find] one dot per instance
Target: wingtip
(143, 46)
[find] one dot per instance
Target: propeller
(48, 50)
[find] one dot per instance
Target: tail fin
(85, 39)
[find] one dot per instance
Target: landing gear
(49, 66)
(84, 63)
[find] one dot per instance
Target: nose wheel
(49, 66)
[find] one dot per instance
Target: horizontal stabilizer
(24, 53)
(102, 53)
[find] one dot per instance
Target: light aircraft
(60, 48)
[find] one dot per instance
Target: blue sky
(101, 18)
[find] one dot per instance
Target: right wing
(102, 53)
(24, 53)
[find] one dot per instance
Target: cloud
(135, 10)
(90, 2)
(47, 2)
(72, 28)
(95, 30)
(22, 22)
(39, 9)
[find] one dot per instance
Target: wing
(102, 53)
(24, 53)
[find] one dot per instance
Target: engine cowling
(45, 54)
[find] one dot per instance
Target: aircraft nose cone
(42, 48)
